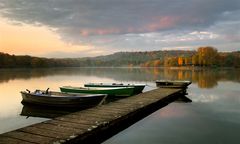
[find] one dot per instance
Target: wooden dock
(93, 125)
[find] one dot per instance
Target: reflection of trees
(205, 78)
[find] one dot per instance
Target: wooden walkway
(93, 125)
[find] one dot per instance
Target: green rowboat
(111, 91)
(138, 88)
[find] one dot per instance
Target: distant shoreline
(204, 57)
(137, 67)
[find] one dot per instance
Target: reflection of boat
(172, 84)
(45, 112)
(111, 91)
(137, 87)
(59, 99)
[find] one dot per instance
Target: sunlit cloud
(106, 31)
(178, 48)
(24, 39)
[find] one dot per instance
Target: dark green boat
(138, 88)
(111, 91)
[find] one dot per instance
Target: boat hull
(173, 84)
(138, 88)
(121, 91)
(59, 99)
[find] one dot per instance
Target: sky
(83, 28)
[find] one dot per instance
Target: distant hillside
(122, 59)
(116, 59)
(137, 58)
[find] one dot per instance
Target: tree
(207, 56)
(156, 63)
(180, 61)
(170, 61)
(195, 60)
(188, 61)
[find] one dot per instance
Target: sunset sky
(80, 28)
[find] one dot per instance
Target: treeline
(114, 60)
(137, 58)
(204, 56)
(12, 61)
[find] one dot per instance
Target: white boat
(61, 99)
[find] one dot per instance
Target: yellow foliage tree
(207, 56)
(156, 63)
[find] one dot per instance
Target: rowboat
(172, 84)
(137, 87)
(111, 91)
(60, 99)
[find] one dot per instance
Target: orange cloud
(103, 31)
(24, 39)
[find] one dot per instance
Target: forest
(202, 57)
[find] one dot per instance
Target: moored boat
(60, 99)
(172, 83)
(138, 88)
(111, 91)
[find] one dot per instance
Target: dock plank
(96, 124)
(69, 124)
(28, 137)
(56, 128)
(9, 140)
(43, 132)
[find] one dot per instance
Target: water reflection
(213, 112)
(204, 78)
(214, 108)
(33, 110)
(29, 110)
(45, 112)
(183, 99)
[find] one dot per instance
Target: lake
(213, 116)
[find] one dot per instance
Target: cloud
(131, 24)
(75, 54)
(37, 41)
(113, 17)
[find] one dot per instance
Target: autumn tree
(188, 61)
(195, 60)
(156, 63)
(180, 61)
(170, 61)
(207, 56)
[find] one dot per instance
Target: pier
(96, 124)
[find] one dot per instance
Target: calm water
(212, 117)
